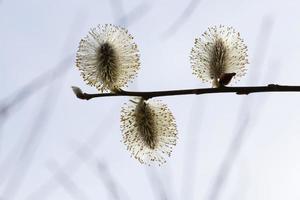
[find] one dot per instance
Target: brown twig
(148, 95)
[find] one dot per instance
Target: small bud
(226, 78)
(78, 92)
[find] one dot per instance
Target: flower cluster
(108, 59)
(220, 51)
(149, 130)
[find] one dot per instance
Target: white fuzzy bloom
(149, 130)
(108, 58)
(220, 50)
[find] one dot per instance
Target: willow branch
(148, 95)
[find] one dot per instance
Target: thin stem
(148, 95)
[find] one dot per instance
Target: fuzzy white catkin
(219, 51)
(108, 58)
(149, 130)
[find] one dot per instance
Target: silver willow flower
(108, 58)
(149, 130)
(220, 51)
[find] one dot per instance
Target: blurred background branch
(182, 19)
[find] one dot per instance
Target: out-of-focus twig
(135, 15)
(72, 165)
(7, 104)
(66, 182)
(38, 83)
(178, 23)
(103, 173)
(118, 12)
(45, 78)
(30, 145)
(156, 184)
(191, 149)
(108, 180)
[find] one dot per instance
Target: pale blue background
(54, 146)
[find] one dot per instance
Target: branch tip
(78, 92)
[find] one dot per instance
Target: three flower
(108, 59)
